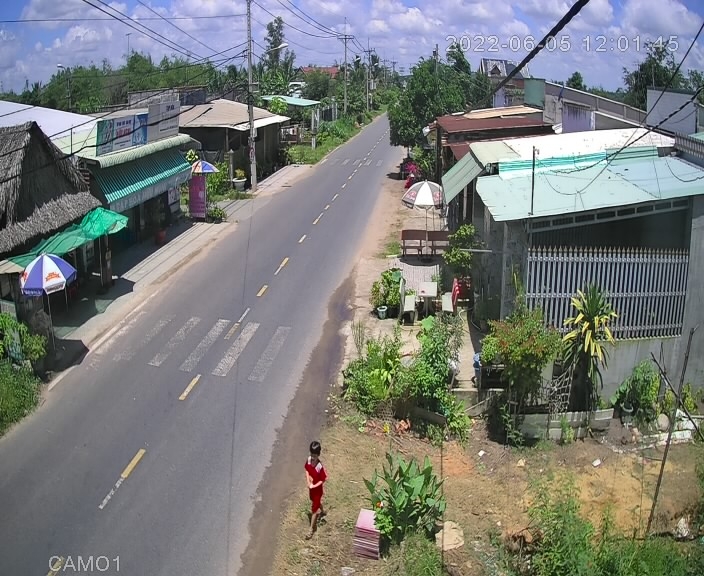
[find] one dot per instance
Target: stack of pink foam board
(366, 536)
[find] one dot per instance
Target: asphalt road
(145, 460)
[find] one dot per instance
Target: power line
(289, 41)
(203, 61)
(140, 19)
(176, 27)
(291, 25)
(313, 22)
(662, 93)
(128, 22)
(564, 21)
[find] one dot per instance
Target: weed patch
(19, 394)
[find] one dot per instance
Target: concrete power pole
(250, 103)
(368, 52)
(345, 39)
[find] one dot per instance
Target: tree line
(87, 89)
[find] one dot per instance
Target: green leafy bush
(406, 498)
(387, 290)
(368, 381)
(32, 346)
(640, 390)
(19, 393)
(217, 185)
(216, 214)
(456, 257)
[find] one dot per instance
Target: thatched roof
(41, 191)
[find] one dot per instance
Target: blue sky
(608, 35)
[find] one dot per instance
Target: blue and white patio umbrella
(203, 167)
(46, 274)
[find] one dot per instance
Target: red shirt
(316, 473)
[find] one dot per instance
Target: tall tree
(275, 37)
(653, 72)
(576, 81)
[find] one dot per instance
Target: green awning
(101, 221)
(128, 185)
(459, 176)
(95, 224)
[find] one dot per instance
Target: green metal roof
(291, 101)
(623, 183)
(83, 146)
(462, 173)
(120, 181)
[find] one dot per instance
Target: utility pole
(368, 52)
(438, 144)
(532, 182)
(345, 39)
(250, 103)
(127, 62)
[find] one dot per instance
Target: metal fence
(646, 287)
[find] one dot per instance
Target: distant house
(497, 70)
(331, 71)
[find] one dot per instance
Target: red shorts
(316, 497)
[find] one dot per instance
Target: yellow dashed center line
(350, 178)
(300, 241)
(335, 197)
(133, 464)
(262, 290)
(345, 184)
(327, 207)
(190, 387)
(283, 263)
(232, 331)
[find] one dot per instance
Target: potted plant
(459, 260)
(386, 293)
(240, 179)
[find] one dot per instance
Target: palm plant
(584, 349)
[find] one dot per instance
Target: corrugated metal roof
(84, 147)
(621, 184)
(504, 112)
(54, 123)
(457, 177)
(292, 101)
(120, 181)
(459, 149)
(493, 151)
(453, 124)
(263, 122)
(219, 113)
(581, 143)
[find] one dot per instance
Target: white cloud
(402, 30)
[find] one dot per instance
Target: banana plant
(585, 344)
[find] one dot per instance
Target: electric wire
(84, 146)
(289, 41)
(662, 93)
(201, 62)
(305, 18)
(139, 19)
(189, 35)
(291, 25)
(130, 23)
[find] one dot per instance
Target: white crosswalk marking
(357, 162)
(231, 356)
(379, 163)
(346, 162)
(334, 161)
(267, 358)
(368, 162)
(158, 327)
(210, 338)
(176, 339)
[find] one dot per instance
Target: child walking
(315, 477)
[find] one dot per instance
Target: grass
(304, 154)
(19, 394)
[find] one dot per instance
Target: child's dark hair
(315, 448)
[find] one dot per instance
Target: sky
(606, 36)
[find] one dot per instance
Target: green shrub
(387, 290)
(369, 380)
(406, 498)
(32, 347)
(641, 390)
(19, 394)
